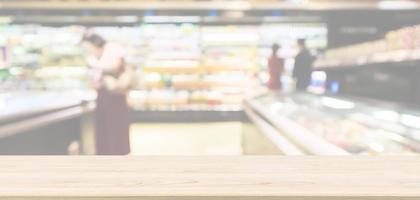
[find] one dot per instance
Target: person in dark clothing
(303, 66)
(275, 69)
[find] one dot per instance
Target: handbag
(122, 83)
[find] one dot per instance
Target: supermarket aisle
(227, 138)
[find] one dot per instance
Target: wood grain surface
(236, 177)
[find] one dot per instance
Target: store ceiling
(209, 4)
(117, 12)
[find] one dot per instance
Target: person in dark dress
(112, 112)
(275, 69)
(303, 67)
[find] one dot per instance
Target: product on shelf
(184, 99)
(399, 45)
(203, 63)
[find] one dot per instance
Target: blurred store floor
(229, 138)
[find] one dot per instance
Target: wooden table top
(242, 177)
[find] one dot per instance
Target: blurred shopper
(275, 69)
(112, 113)
(303, 66)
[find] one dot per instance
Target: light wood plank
(228, 177)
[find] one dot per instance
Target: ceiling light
(386, 115)
(172, 19)
(6, 20)
(127, 19)
(410, 121)
(337, 103)
(237, 5)
(234, 14)
(398, 5)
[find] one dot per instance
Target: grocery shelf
(401, 56)
(198, 69)
(401, 45)
(191, 57)
(191, 107)
(199, 85)
(173, 99)
(189, 114)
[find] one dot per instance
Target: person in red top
(275, 69)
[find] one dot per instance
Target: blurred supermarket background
(200, 69)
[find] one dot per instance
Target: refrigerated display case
(14, 105)
(331, 125)
(45, 123)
